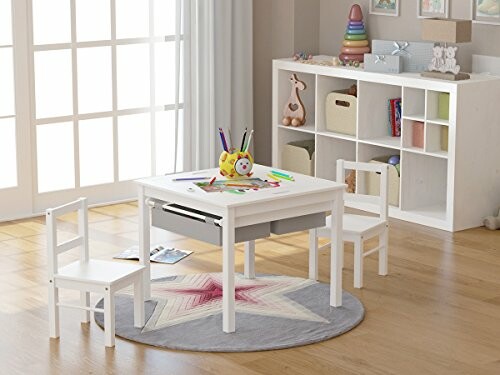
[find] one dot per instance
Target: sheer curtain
(219, 51)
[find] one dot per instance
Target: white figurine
(451, 61)
(437, 62)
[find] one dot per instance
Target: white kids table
(306, 195)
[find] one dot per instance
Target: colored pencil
(248, 141)
(273, 177)
(276, 173)
(222, 141)
(191, 178)
(242, 185)
(212, 180)
(243, 141)
(230, 140)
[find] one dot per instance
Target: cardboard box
(446, 30)
(383, 63)
(373, 182)
(416, 55)
(299, 157)
(341, 112)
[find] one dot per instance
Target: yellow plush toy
(236, 165)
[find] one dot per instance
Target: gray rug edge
(99, 319)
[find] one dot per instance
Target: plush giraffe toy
(294, 112)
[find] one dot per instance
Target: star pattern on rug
(197, 296)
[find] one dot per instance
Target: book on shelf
(158, 253)
(394, 110)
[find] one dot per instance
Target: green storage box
(444, 106)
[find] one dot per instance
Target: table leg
(228, 293)
(313, 254)
(250, 259)
(337, 249)
(144, 241)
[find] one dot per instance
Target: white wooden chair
(359, 228)
(87, 275)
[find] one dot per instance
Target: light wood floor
(438, 311)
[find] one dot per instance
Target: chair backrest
(380, 201)
(81, 240)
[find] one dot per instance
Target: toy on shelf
(302, 56)
(355, 43)
(234, 163)
(294, 112)
(492, 222)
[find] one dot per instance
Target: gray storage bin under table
(191, 225)
(299, 223)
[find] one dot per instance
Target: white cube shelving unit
(451, 189)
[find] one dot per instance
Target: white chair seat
(354, 225)
(98, 271)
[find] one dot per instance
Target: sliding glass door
(106, 98)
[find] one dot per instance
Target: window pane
(134, 150)
(133, 76)
(132, 19)
(165, 142)
(8, 160)
(93, 20)
(51, 21)
(55, 158)
(164, 17)
(165, 73)
(5, 23)
(6, 82)
(96, 151)
(94, 79)
(53, 83)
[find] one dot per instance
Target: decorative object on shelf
(383, 63)
(294, 112)
(302, 56)
(350, 181)
(492, 222)
(234, 163)
(415, 55)
(417, 139)
(384, 7)
(355, 43)
(443, 64)
(444, 105)
(432, 8)
(486, 11)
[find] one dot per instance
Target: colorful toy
(355, 43)
(236, 165)
(301, 56)
(394, 160)
(294, 112)
(492, 222)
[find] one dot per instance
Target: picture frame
(384, 7)
(433, 8)
(486, 12)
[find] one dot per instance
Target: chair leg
(313, 254)
(358, 263)
(53, 311)
(138, 303)
(85, 302)
(383, 254)
(249, 260)
(109, 318)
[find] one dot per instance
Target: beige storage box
(341, 112)
(373, 182)
(298, 157)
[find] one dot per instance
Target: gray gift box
(416, 56)
(383, 63)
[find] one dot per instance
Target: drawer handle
(204, 218)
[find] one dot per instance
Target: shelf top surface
(303, 185)
(402, 79)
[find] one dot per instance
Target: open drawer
(200, 225)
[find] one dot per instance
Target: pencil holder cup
(236, 165)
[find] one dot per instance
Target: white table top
(303, 185)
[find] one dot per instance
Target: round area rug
(272, 312)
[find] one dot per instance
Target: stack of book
(395, 117)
